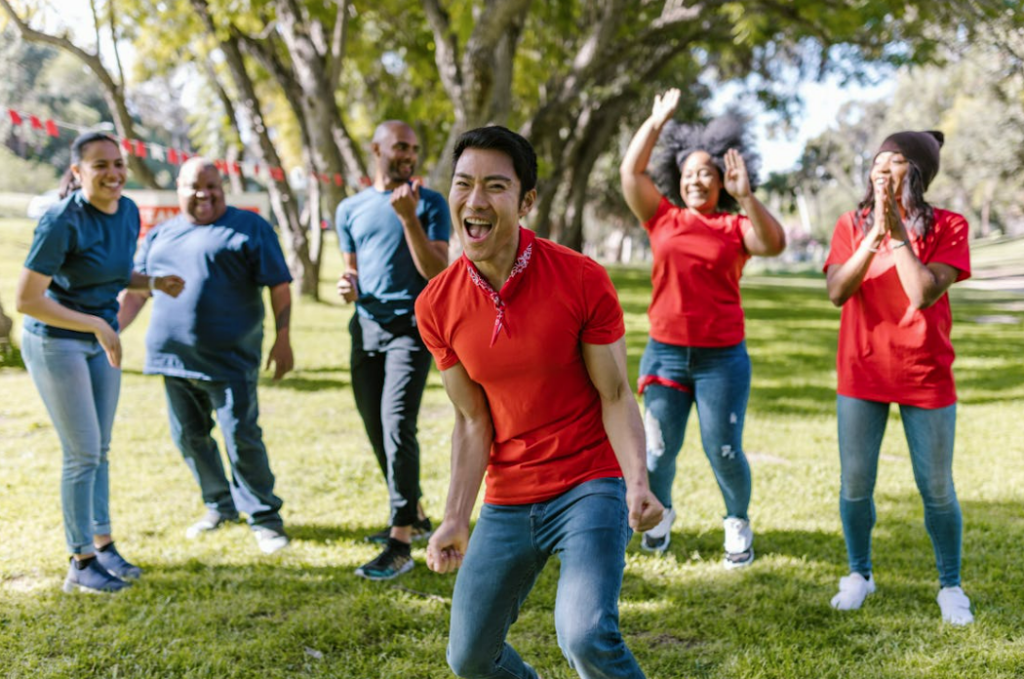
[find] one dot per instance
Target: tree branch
(339, 43)
(446, 49)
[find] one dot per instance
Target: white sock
(853, 589)
(955, 606)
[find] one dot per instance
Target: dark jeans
(190, 405)
(389, 371)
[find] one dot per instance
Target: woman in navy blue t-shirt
(80, 259)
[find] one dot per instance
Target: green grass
(218, 608)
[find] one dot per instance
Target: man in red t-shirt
(528, 336)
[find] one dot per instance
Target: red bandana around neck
(526, 238)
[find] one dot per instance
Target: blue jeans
(80, 391)
(930, 434)
(587, 528)
(718, 380)
(190, 405)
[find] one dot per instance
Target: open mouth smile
(477, 228)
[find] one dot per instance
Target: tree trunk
(113, 92)
(282, 200)
(5, 330)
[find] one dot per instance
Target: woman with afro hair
(696, 352)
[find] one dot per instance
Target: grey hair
(679, 140)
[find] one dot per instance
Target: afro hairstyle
(679, 140)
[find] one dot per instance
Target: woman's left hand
(893, 223)
(737, 182)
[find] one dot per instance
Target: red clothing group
(548, 431)
(889, 351)
(698, 261)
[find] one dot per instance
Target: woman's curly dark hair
(679, 140)
(920, 214)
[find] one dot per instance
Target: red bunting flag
(140, 148)
(184, 156)
(277, 173)
(172, 156)
(365, 181)
(221, 166)
(127, 145)
(235, 168)
(15, 118)
(337, 179)
(36, 123)
(51, 129)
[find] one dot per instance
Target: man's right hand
(447, 546)
(348, 286)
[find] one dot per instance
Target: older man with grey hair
(207, 345)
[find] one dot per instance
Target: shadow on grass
(682, 616)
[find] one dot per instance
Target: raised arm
(429, 256)
(31, 299)
(924, 284)
(606, 365)
(766, 238)
(471, 448)
(638, 189)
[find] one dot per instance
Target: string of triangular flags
(166, 154)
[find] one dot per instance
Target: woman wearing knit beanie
(891, 262)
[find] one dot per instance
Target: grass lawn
(216, 607)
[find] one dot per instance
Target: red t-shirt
(548, 432)
(698, 261)
(889, 351)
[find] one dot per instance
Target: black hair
(920, 214)
(679, 140)
(69, 182)
(515, 146)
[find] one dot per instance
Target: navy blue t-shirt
(368, 226)
(88, 254)
(214, 329)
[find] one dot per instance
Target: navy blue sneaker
(115, 564)
(93, 579)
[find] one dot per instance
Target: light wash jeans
(930, 434)
(717, 379)
(587, 528)
(80, 391)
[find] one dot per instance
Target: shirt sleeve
(341, 225)
(952, 248)
(664, 208)
(142, 252)
(436, 219)
(268, 260)
(603, 323)
(426, 321)
(842, 247)
(51, 242)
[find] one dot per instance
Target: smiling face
(700, 182)
(890, 167)
(485, 206)
(101, 173)
(396, 150)
(201, 193)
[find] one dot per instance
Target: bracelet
(152, 284)
(898, 244)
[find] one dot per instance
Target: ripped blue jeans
(717, 379)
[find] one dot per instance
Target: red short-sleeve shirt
(698, 261)
(889, 351)
(548, 431)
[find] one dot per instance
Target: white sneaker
(739, 541)
(657, 538)
(270, 540)
(955, 606)
(853, 589)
